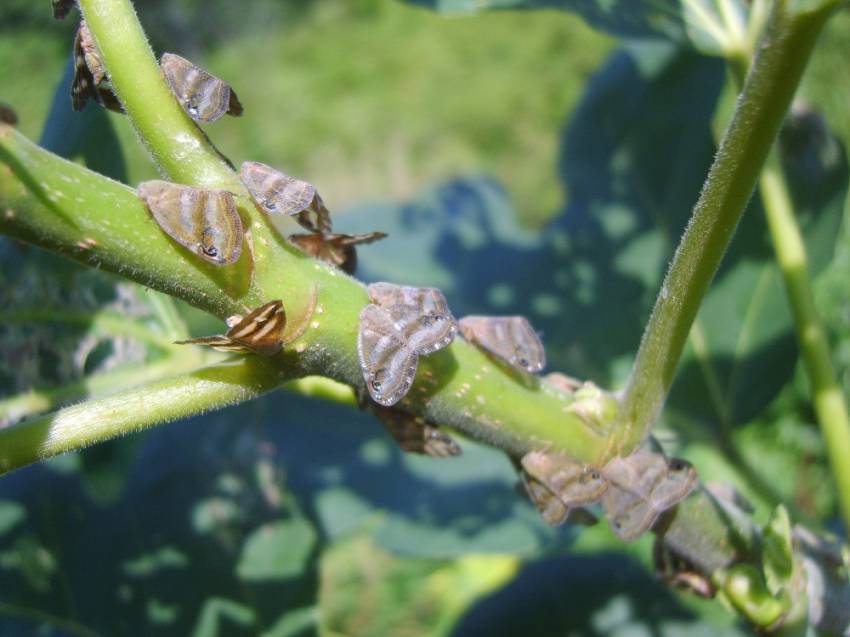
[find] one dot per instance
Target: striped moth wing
(572, 482)
(387, 363)
(553, 511)
(204, 97)
(61, 8)
(275, 192)
(643, 486)
(90, 74)
(337, 249)
(413, 433)
(259, 332)
(422, 315)
(204, 221)
(510, 338)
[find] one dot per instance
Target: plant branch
(770, 86)
(829, 403)
(136, 409)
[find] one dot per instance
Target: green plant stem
(38, 401)
(136, 409)
(829, 403)
(770, 86)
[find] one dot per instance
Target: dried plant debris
(641, 487)
(509, 338)
(261, 331)
(61, 8)
(8, 115)
(90, 80)
(276, 193)
(204, 221)
(422, 314)
(402, 324)
(336, 249)
(414, 434)
(204, 97)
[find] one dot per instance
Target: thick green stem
(136, 409)
(180, 149)
(830, 407)
(769, 88)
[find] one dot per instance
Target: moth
(387, 363)
(205, 97)
(260, 332)
(61, 8)
(204, 221)
(572, 482)
(90, 74)
(553, 511)
(509, 338)
(279, 194)
(421, 314)
(413, 433)
(8, 115)
(337, 249)
(642, 486)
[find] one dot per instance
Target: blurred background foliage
(461, 136)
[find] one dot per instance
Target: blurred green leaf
(276, 550)
(628, 18)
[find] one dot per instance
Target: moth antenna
(305, 319)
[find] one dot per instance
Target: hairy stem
(767, 94)
(830, 407)
(136, 409)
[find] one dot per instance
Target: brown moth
(205, 97)
(336, 249)
(61, 8)
(90, 74)
(204, 221)
(260, 332)
(510, 338)
(553, 511)
(387, 363)
(572, 482)
(276, 192)
(8, 115)
(643, 486)
(421, 314)
(413, 433)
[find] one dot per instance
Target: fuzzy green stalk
(782, 57)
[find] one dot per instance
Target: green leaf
(629, 18)
(277, 550)
(778, 553)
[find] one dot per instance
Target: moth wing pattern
(204, 97)
(259, 332)
(572, 482)
(643, 486)
(510, 338)
(336, 249)
(274, 191)
(414, 435)
(204, 221)
(422, 314)
(388, 365)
